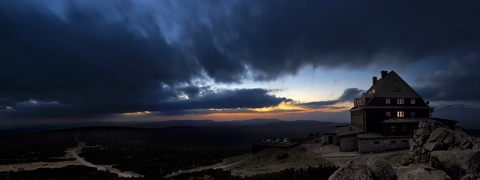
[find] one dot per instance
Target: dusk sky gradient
(146, 60)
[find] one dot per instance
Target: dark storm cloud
(236, 110)
(240, 98)
(81, 67)
(459, 82)
(102, 57)
(279, 37)
(453, 107)
(348, 95)
(85, 64)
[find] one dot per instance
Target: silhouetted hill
(261, 127)
(217, 137)
(179, 137)
(300, 128)
(171, 123)
(193, 134)
(250, 122)
(273, 127)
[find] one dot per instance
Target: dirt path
(222, 165)
(333, 154)
(74, 153)
(71, 153)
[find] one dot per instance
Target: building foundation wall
(348, 143)
(382, 144)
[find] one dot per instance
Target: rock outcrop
(471, 177)
(420, 171)
(365, 168)
(457, 163)
(433, 136)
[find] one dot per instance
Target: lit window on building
(400, 114)
(400, 101)
(387, 101)
(393, 128)
(412, 101)
(412, 114)
(388, 114)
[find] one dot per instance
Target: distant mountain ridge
(267, 127)
(171, 123)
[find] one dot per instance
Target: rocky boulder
(433, 136)
(457, 163)
(438, 139)
(471, 177)
(420, 171)
(365, 168)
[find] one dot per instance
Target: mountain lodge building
(385, 117)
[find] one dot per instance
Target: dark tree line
(34, 147)
(155, 162)
(140, 153)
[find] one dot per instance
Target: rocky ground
(274, 160)
(302, 156)
(436, 152)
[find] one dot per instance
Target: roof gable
(391, 86)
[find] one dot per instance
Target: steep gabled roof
(391, 86)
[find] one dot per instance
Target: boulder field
(436, 152)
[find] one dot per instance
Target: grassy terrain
(278, 159)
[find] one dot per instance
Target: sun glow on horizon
(137, 113)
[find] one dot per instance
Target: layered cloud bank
(100, 58)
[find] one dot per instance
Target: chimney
(384, 74)
(374, 80)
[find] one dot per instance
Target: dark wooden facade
(385, 117)
(389, 98)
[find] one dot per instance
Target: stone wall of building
(382, 144)
(348, 143)
(329, 138)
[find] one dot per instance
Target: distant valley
(258, 127)
(146, 147)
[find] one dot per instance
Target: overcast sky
(88, 60)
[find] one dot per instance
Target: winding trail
(71, 153)
(222, 165)
(74, 152)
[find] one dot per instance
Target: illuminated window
(400, 114)
(388, 114)
(387, 101)
(393, 128)
(400, 101)
(412, 101)
(412, 114)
